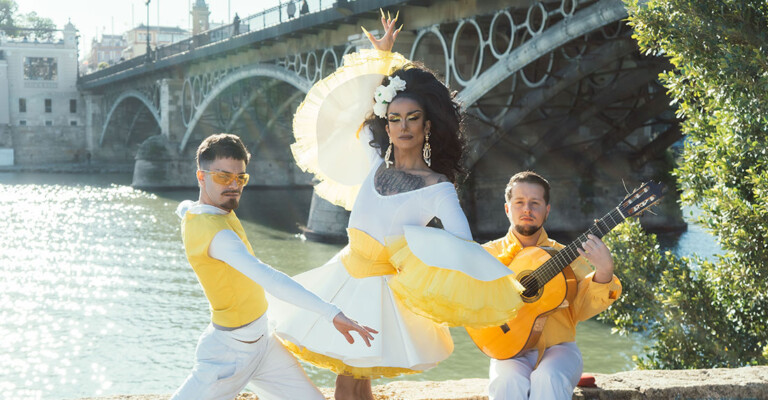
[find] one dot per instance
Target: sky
(92, 18)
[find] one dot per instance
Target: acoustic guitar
(550, 283)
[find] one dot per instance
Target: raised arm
(390, 33)
(227, 247)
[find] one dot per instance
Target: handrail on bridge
(283, 12)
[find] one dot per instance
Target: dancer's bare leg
(349, 388)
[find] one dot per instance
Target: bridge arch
(124, 96)
(253, 71)
(543, 43)
(580, 23)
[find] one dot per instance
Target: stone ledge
(700, 384)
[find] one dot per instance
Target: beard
(230, 204)
(527, 230)
(530, 230)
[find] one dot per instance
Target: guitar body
(522, 333)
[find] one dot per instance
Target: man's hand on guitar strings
(597, 253)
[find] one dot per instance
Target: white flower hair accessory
(384, 95)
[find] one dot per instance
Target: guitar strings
(564, 257)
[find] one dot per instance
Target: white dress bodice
(382, 217)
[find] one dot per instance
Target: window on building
(48, 105)
(40, 69)
(23, 122)
(72, 106)
(22, 105)
(73, 123)
(48, 123)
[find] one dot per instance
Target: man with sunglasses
(236, 347)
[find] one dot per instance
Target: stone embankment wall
(702, 384)
(158, 165)
(37, 145)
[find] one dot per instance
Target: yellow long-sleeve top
(591, 297)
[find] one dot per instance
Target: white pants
(554, 379)
(224, 365)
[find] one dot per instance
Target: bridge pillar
(158, 162)
(171, 124)
(326, 222)
(94, 122)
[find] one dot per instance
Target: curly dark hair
(440, 107)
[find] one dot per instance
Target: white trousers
(554, 379)
(225, 365)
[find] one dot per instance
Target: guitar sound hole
(531, 286)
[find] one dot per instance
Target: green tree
(30, 25)
(712, 314)
(40, 27)
(639, 267)
(8, 17)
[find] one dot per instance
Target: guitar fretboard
(565, 257)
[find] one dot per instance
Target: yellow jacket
(591, 298)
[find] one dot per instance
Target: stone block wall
(36, 145)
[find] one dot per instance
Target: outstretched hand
(390, 33)
(345, 325)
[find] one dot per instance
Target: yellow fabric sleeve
(448, 296)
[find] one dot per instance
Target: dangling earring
(388, 154)
(427, 153)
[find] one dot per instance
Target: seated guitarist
(552, 368)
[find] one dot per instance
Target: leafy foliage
(708, 314)
(8, 16)
(40, 27)
(29, 25)
(639, 266)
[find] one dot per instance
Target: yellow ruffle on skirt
(355, 279)
(450, 296)
(339, 368)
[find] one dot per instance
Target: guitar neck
(565, 257)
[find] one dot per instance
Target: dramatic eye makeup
(411, 116)
(414, 116)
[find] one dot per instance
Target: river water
(97, 298)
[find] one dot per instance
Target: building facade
(108, 49)
(39, 100)
(136, 39)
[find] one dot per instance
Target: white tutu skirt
(406, 342)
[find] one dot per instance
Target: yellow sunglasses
(226, 178)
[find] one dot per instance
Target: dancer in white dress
(410, 159)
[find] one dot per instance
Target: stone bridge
(557, 86)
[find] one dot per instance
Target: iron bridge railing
(270, 17)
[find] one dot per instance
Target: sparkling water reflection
(97, 298)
